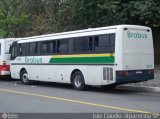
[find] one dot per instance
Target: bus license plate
(138, 72)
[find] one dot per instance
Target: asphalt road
(61, 98)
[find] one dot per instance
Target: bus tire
(24, 77)
(78, 81)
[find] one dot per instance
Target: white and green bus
(106, 56)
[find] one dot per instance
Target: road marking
(76, 101)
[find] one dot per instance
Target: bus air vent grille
(108, 73)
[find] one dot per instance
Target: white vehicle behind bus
(106, 56)
(5, 56)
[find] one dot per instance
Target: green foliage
(12, 19)
(91, 13)
(85, 13)
(35, 17)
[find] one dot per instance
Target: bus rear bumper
(4, 69)
(5, 73)
(134, 78)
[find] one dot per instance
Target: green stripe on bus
(81, 60)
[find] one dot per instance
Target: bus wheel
(24, 77)
(78, 81)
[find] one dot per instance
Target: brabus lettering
(136, 35)
(33, 60)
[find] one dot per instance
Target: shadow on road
(7, 79)
(118, 90)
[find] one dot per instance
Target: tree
(47, 16)
(85, 13)
(35, 17)
(13, 20)
(97, 13)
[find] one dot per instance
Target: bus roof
(7, 39)
(55, 35)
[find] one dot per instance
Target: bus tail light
(122, 73)
(151, 72)
(4, 66)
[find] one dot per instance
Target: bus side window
(52, 46)
(79, 45)
(96, 41)
(14, 52)
(23, 46)
(87, 44)
(90, 44)
(44, 47)
(27, 48)
(20, 49)
(102, 43)
(112, 42)
(34, 48)
(62, 46)
(112, 39)
(71, 46)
